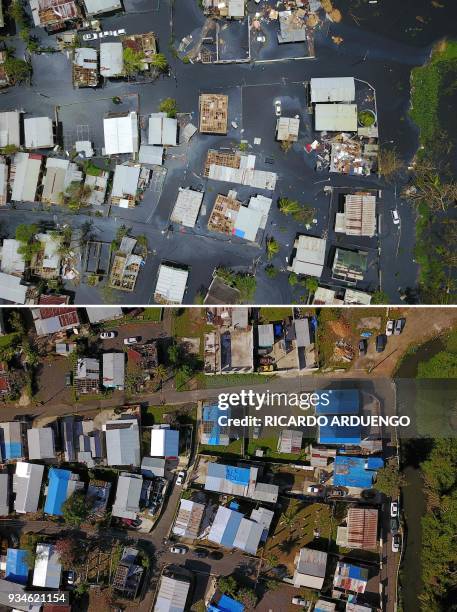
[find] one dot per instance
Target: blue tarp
(341, 401)
(358, 573)
(231, 529)
(171, 443)
(239, 233)
(351, 472)
(375, 463)
(329, 434)
(57, 491)
(226, 604)
(17, 569)
(238, 475)
(211, 414)
(12, 450)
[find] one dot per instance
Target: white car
(179, 550)
(313, 489)
(390, 327)
(278, 108)
(121, 32)
(181, 477)
(299, 601)
(395, 217)
(396, 541)
(108, 335)
(107, 33)
(394, 509)
(132, 340)
(90, 36)
(101, 35)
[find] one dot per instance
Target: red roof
(53, 300)
(135, 356)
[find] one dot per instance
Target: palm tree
(288, 207)
(272, 247)
(160, 62)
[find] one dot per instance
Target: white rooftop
(171, 284)
(337, 89)
(121, 134)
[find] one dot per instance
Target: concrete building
(309, 257)
(187, 207)
(111, 60)
(335, 117)
(171, 285)
(121, 133)
(38, 133)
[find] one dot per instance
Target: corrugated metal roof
(11, 289)
(310, 256)
(4, 493)
(164, 442)
(128, 492)
(302, 332)
(27, 170)
(41, 443)
(362, 528)
(335, 117)
(121, 133)
(171, 284)
(47, 570)
(123, 445)
(17, 569)
(125, 181)
(100, 314)
(11, 440)
(27, 486)
(266, 335)
(153, 466)
(9, 129)
(97, 7)
(187, 207)
(114, 370)
(12, 261)
(351, 472)
(172, 595)
(59, 490)
(151, 155)
(111, 59)
(333, 89)
(38, 133)
(188, 521)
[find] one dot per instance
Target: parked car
(395, 216)
(90, 36)
(68, 378)
(390, 327)
(121, 32)
(381, 342)
(107, 33)
(107, 335)
(278, 108)
(363, 346)
(313, 489)
(299, 601)
(69, 577)
(396, 541)
(201, 553)
(101, 35)
(399, 326)
(132, 340)
(179, 549)
(394, 525)
(338, 492)
(394, 509)
(181, 478)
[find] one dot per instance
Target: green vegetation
(271, 271)
(270, 447)
(271, 247)
(299, 212)
(133, 61)
(169, 106)
(230, 380)
(17, 70)
(76, 196)
(389, 480)
(439, 527)
(380, 297)
(29, 246)
(427, 88)
(75, 509)
(91, 169)
(270, 315)
(366, 118)
(245, 283)
(152, 314)
(234, 448)
(159, 61)
(230, 586)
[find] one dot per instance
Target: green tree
(380, 297)
(227, 585)
(389, 480)
(75, 509)
(169, 106)
(174, 354)
(272, 247)
(271, 271)
(16, 12)
(25, 233)
(293, 279)
(133, 61)
(18, 70)
(159, 61)
(311, 284)
(293, 208)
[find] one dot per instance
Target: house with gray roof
(4, 493)
(25, 168)
(231, 530)
(111, 59)
(9, 129)
(128, 493)
(38, 133)
(101, 314)
(114, 371)
(173, 594)
(27, 486)
(153, 467)
(12, 262)
(122, 442)
(310, 568)
(41, 443)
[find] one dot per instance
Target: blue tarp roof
(341, 401)
(351, 472)
(237, 474)
(329, 434)
(17, 569)
(231, 529)
(171, 443)
(211, 414)
(12, 450)
(57, 491)
(375, 463)
(226, 604)
(357, 573)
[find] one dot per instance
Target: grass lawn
(152, 415)
(152, 314)
(269, 315)
(190, 323)
(234, 448)
(231, 380)
(287, 539)
(270, 445)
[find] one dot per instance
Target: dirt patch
(340, 328)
